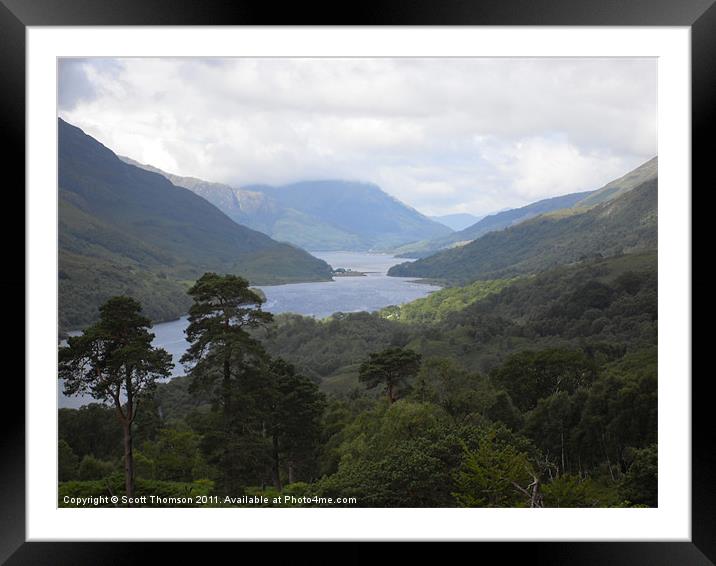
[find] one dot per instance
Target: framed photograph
(398, 279)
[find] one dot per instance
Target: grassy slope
(438, 305)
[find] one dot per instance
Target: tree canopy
(114, 360)
(392, 367)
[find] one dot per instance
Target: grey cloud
(73, 85)
(443, 135)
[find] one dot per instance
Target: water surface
(321, 299)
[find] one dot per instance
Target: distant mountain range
(125, 230)
(487, 224)
(458, 221)
(511, 217)
(317, 215)
(624, 220)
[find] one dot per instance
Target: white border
(671, 521)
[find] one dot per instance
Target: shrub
(93, 469)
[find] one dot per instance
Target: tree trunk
(606, 453)
(128, 448)
(391, 399)
(276, 471)
(128, 459)
(536, 499)
(290, 471)
(231, 458)
(227, 390)
(226, 385)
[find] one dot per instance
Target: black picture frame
(16, 15)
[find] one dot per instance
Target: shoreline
(257, 287)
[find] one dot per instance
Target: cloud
(80, 80)
(73, 84)
(443, 135)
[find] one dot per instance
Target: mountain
(373, 218)
(249, 208)
(125, 230)
(510, 217)
(497, 221)
(458, 221)
(317, 215)
(618, 187)
(625, 224)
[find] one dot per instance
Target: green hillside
(126, 230)
(625, 224)
(610, 303)
(622, 185)
(561, 206)
(551, 381)
(437, 306)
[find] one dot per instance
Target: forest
(537, 390)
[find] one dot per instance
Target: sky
(443, 135)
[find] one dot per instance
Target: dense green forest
(530, 380)
(536, 391)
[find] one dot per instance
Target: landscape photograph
(357, 282)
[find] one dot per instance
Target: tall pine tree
(294, 423)
(114, 361)
(222, 352)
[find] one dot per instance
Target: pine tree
(294, 422)
(392, 367)
(224, 309)
(114, 361)
(223, 351)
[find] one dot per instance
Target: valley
(405, 364)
